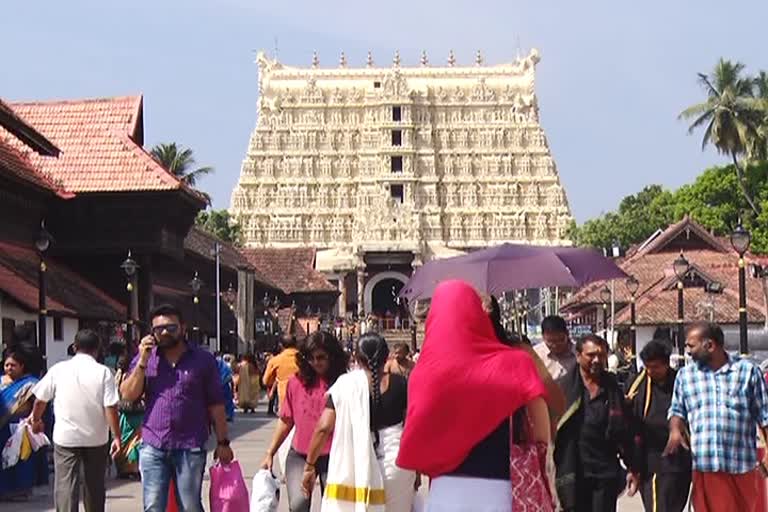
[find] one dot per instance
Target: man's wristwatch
(223, 442)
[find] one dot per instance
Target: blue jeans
(184, 467)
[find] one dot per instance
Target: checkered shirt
(723, 409)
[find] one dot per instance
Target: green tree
(180, 162)
(713, 200)
(638, 217)
(732, 117)
(760, 149)
(221, 224)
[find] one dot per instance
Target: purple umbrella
(514, 267)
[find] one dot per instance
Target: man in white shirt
(557, 352)
(85, 405)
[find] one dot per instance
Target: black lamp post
(681, 267)
(130, 267)
(740, 239)
(605, 297)
(43, 243)
(632, 285)
(196, 283)
(230, 298)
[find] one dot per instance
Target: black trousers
(596, 494)
(667, 492)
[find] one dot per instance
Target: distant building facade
(383, 168)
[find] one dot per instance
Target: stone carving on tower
(399, 158)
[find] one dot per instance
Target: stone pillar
(360, 293)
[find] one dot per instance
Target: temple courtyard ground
(250, 436)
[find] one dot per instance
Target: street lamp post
(681, 267)
(43, 243)
(130, 267)
(632, 285)
(196, 283)
(605, 297)
(230, 299)
(740, 240)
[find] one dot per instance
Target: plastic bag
(228, 490)
(278, 467)
(265, 492)
(12, 449)
(25, 452)
(36, 441)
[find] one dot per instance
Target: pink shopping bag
(228, 490)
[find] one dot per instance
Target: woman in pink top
(321, 360)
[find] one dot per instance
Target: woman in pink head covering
(461, 395)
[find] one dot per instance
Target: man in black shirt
(665, 481)
(595, 431)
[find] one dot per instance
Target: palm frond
(191, 177)
(710, 89)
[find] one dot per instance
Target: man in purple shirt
(183, 396)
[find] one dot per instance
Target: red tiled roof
(290, 324)
(20, 168)
(657, 296)
(202, 243)
(292, 270)
(101, 146)
(25, 132)
(69, 294)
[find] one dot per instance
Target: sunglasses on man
(169, 328)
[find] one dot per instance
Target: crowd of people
(494, 423)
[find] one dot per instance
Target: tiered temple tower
(382, 168)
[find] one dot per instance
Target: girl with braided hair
(365, 412)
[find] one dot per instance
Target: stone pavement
(250, 436)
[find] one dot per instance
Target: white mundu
(81, 389)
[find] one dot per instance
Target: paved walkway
(250, 436)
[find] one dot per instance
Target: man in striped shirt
(723, 400)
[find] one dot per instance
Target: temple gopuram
(381, 168)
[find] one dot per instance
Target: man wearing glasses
(183, 396)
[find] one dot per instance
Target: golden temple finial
(424, 60)
(369, 60)
(343, 60)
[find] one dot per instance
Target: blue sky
(613, 75)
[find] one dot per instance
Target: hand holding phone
(145, 348)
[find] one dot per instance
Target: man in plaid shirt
(723, 400)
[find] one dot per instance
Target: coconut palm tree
(179, 161)
(731, 115)
(761, 90)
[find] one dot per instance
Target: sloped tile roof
(292, 270)
(202, 243)
(69, 294)
(290, 324)
(657, 296)
(21, 168)
(101, 146)
(24, 132)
